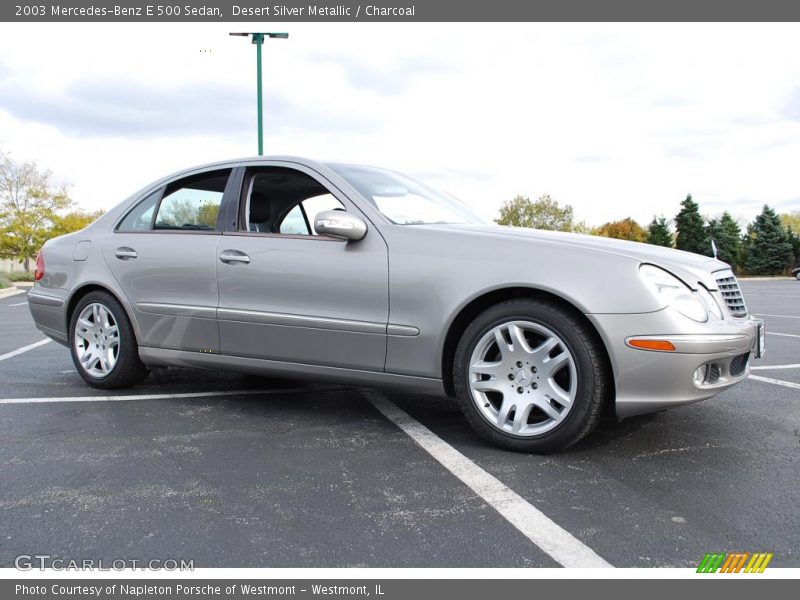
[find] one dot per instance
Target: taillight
(39, 272)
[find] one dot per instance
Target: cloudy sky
(617, 120)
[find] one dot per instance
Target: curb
(777, 278)
(12, 291)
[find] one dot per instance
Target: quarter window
(141, 217)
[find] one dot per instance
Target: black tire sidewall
(562, 324)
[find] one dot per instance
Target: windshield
(403, 200)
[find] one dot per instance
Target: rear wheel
(103, 346)
(531, 376)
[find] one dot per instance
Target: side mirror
(341, 224)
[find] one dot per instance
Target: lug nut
(519, 390)
(519, 363)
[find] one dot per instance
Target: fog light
(700, 375)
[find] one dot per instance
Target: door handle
(125, 253)
(234, 256)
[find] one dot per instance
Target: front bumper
(708, 358)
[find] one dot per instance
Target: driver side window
(284, 201)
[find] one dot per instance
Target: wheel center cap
(522, 378)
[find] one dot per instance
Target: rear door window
(193, 203)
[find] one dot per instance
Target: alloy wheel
(523, 378)
(96, 340)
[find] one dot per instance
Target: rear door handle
(234, 256)
(125, 253)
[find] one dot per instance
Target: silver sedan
(286, 266)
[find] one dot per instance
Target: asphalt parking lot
(256, 472)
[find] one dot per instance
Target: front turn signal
(657, 345)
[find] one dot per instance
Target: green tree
(545, 213)
(690, 230)
(74, 220)
(29, 204)
(794, 241)
(624, 229)
(769, 248)
(727, 236)
(658, 232)
(791, 220)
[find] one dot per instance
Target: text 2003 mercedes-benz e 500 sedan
(357, 274)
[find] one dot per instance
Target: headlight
(712, 306)
(674, 292)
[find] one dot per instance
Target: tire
(106, 356)
(556, 373)
(797, 275)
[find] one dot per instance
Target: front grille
(713, 373)
(738, 364)
(731, 294)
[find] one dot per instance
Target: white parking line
(146, 396)
(779, 316)
(561, 545)
(19, 303)
(771, 367)
(788, 384)
(24, 349)
(794, 335)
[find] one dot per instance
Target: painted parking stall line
(777, 316)
(135, 397)
(24, 349)
(557, 542)
(781, 382)
(773, 367)
(791, 335)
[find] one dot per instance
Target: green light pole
(258, 40)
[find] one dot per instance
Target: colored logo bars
(734, 562)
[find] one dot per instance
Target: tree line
(33, 209)
(769, 245)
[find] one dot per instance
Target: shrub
(18, 276)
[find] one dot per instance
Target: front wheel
(103, 346)
(797, 275)
(531, 376)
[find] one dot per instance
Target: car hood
(690, 267)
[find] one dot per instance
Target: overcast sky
(617, 120)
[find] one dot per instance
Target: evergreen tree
(794, 241)
(690, 230)
(727, 236)
(769, 250)
(658, 232)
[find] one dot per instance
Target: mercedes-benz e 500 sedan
(285, 266)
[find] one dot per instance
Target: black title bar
(399, 10)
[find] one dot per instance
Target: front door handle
(234, 256)
(125, 253)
